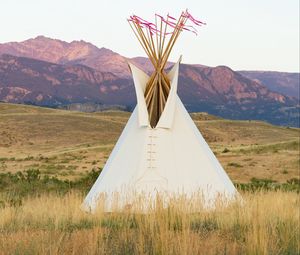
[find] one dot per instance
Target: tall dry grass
(266, 223)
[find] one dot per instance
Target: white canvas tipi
(171, 158)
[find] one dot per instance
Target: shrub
(269, 185)
(225, 150)
(234, 164)
(294, 181)
(32, 182)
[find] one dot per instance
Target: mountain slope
(52, 72)
(218, 90)
(226, 93)
(282, 82)
(34, 81)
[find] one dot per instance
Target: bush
(294, 181)
(269, 185)
(32, 183)
(225, 150)
(234, 164)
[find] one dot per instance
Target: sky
(241, 34)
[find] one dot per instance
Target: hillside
(281, 82)
(67, 144)
(219, 90)
(26, 80)
(52, 72)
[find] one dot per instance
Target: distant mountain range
(282, 82)
(50, 72)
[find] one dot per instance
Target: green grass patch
(257, 184)
(15, 187)
(272, 148)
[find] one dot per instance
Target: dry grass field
(56, 150)
(267, 223)
(67, 144)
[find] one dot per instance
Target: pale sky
(242, 34)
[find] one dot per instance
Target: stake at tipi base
(161, 152)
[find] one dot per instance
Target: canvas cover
(172, 158)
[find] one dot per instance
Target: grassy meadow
(50, 158)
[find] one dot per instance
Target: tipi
(160, 150)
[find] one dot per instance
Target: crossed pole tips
(157, 40)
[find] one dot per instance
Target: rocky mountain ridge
(51, 72)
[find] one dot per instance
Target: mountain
(75, 52)
(218, 90)
(146, 65)
(26, 80)
(282, 82)
(51, 72)
(224, 92)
